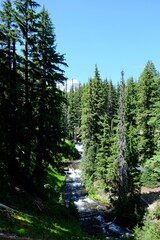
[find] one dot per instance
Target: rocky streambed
(95, 218)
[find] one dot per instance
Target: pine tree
(105, 168)
(49, 101)
(30, 103)
(122, 164)
(127, 205)
(8, 86)
(105, 94)
(78, 111)
(74, 113)
(103, 163)
(146, 98)
(112, 106)
(150, 177)
(25, 18)
(92, 110)
(71, 113)
(131, 135)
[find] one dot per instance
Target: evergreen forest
(119, 127)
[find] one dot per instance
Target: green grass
(69, 152)
(41, 226)
(54, 183)
(50, 219)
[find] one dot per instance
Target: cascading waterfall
(94, 217)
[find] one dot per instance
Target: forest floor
(149, 195)
(5, 235)
(14, 224)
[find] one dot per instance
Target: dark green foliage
(68, 151)
(78, 111)
(49, 100)
(104, 150)
(92, 130)
(127, 204)
(136, 129)
(8, 87)
(30, 103)
(35, 117)
(138, 125)
(151, 174)
(74, 113)
(71, 114)
(154, 122)
(131, 135)
(112, 105)
(130, 102)
(147, 93)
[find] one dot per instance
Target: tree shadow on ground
(151, 196)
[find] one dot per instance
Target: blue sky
(114, 34)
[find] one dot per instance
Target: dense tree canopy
(31, 104)
(118, 125)
(120, 132)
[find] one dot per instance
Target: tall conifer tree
(93, 109)
(112, 106)
(30, 103)
(128, 197)
(122, 164)
(146, 98)
(48, 105)
(71, 113)
(26, 19)
(131, 133)
(9, 91)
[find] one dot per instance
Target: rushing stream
(95, 218)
